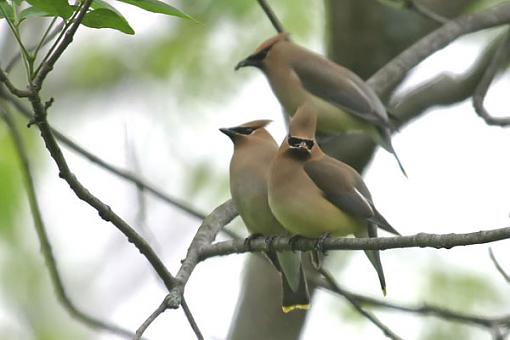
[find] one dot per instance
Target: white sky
(458, 182)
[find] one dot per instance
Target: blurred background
(152, 103)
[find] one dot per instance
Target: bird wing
(330, 177)
(341, 87)
(344, 188)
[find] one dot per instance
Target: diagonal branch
(46, 249)
(271, 16)
(33, 48)
(500, 57)
(444, 89)
(11, 87)
(498, 266)
(205, 235)
(47, 65)
(391, 75)
(388, 332)
(426, 12)
(128, 176)
(424, 310)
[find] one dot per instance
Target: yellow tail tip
(288, 309)
(384, 291)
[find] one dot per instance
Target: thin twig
(11, 87)
(47, 65)
(498, 266)
(42, 43)
(160, 310)
(46, 249)
(104, 164)
(426, 12)
(271, 16)
(424, 310)
(191, 319)
(500, 57)
(388, 332)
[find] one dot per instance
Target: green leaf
(7, 9)
(96, 4)
(58, 8)
(32, 12)
(107, 18)
(156, 6)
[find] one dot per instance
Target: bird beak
(247, 62)
(228, 132)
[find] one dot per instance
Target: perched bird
(312, 194)
(254, 149)
(343, 101)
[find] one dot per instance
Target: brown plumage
(254, 149)
(343, 101)
(312, 194)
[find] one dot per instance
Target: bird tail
(295, 294)
(373, 256)
(385, 139)
(381, 222)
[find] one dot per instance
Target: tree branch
(47, 65)
(392, 74)
(424, 310)
(498, 266)
(426, 12)
(10, 86)
(388, 332)
(46, 249)
(43, 42)
(271, 16)
(421, 240)
(206, 233)
(444, 89)
(160, 310)
(500, 57)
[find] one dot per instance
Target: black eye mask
(243, 130)
(295, 142)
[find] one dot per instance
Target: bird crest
(284, 36)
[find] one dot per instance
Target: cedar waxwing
(343, 101)
(312, 194)
(254, 149)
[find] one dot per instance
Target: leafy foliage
(100, 15)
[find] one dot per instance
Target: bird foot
(316, 260)
(293, 240)
(250, 239)
(269, 240)
(319, 245)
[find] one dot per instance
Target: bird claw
(315, 260)
(293, 240)
(269, 240)
(250, 239)
(319, 245)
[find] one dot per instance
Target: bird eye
(262, 54)
(296, 142)
(244, 130)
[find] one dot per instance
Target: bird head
(247, 130)
(301, 138)
(257, 58)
